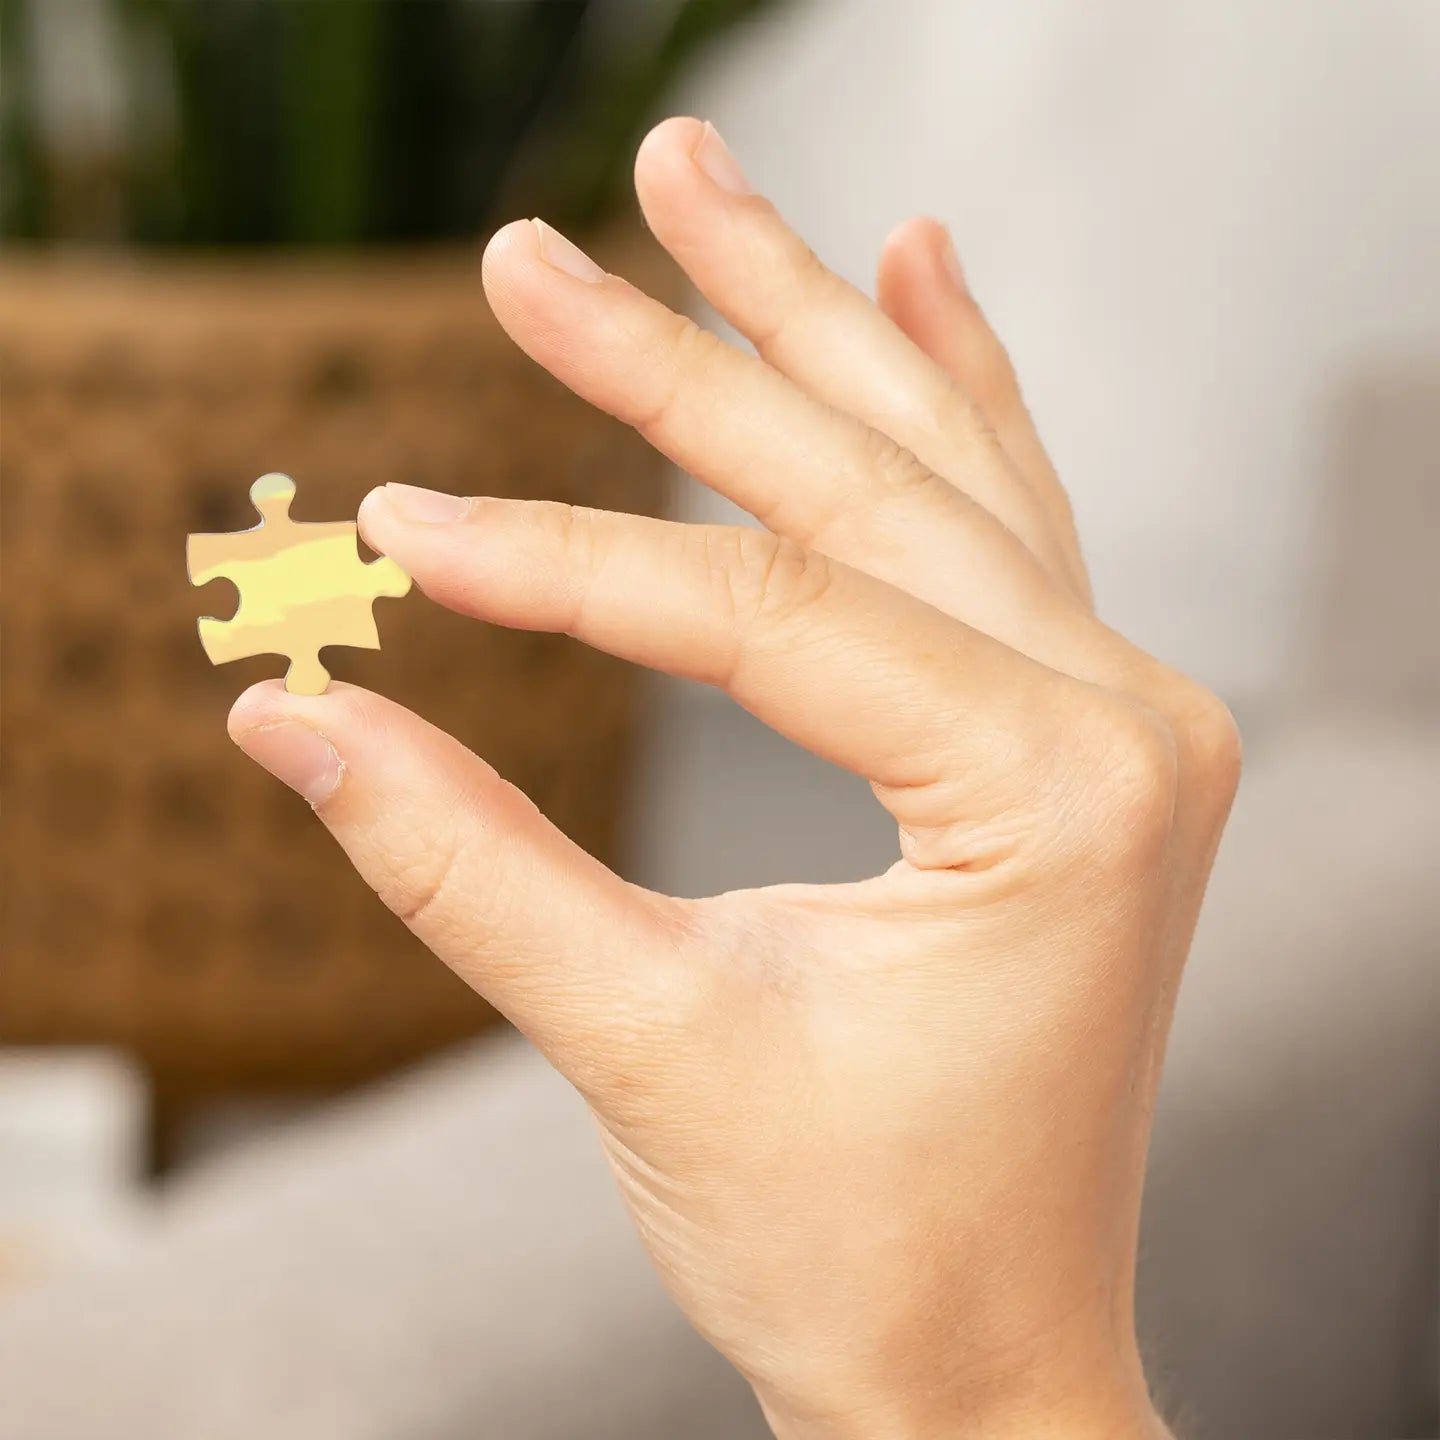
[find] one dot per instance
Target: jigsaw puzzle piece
(302, 586)
(206, 556)
(226, 640)
(223, 642)
(387, 578)
(307, 676)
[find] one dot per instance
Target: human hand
(885, 1141)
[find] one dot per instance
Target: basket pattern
(161, 893)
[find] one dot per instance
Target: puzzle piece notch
(302, 586)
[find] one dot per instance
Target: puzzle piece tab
(302, 586)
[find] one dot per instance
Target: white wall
(1197, 224)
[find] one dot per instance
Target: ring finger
(823, 333)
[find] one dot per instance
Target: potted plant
(242, 239)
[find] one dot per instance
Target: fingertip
(370, 518)
(915, 229)
(920, 243)
(517, 239)
(414, 546)
(269, 703)
(527, 272)
(673, 138)
(686, 178)
(505, 255)
(257, 706)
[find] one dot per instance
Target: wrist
(1084, 1422)
(1108, 1404)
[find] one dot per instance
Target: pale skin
(884, 1141)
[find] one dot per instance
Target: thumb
(562, 946)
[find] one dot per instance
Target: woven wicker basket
(138, 404)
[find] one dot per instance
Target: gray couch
(446, 1256)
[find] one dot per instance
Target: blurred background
(264, 1168)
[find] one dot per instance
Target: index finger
(861, 673)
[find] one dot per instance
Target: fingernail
(950, 258)
(303, 758)
(565, 255)
(427, 507)
(713, 156)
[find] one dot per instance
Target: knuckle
(898, 472)
(1132, 775)
(996, 386)
(694, 346)
(417, 888)
(814, 283)
(793, 284)
(1207, 739)
(569, 546)
(692, 354)
(808, 267)
(1210, 745)
(564, 527)
(773, 578)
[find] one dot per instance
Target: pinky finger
(921, 288)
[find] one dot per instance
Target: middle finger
(823, 333)
(808, 471)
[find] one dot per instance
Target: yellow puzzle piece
(302, 586)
